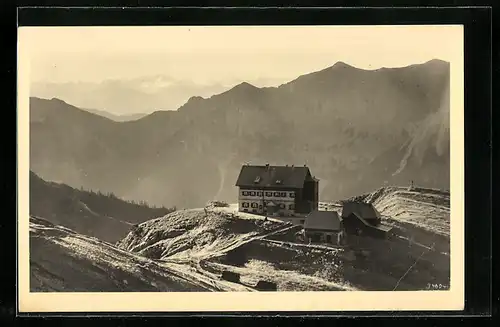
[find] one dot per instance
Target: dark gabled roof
(323, 220)
(361, 209)
(273, 176)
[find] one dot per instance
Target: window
(259, 193)
(254, 205)
(292, 195)
(276, 194)
(291, 206)
(245, 205)
(269, 193)
(252, 193)
(254, 210)
(245, 193)
(283, 194)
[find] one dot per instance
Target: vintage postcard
(240, 168)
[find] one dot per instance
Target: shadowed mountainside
(103, 216)
(356, 129)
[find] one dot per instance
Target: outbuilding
(363, 219)
(323, 227)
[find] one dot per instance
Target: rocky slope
(194, 234)
(356, 129)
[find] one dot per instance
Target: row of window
(257, 205)
(268, 194)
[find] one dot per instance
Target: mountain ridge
(343, 125)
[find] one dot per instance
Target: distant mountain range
(356, 129)
(117, 118)
(132, 96)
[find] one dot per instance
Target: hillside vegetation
(90, 213)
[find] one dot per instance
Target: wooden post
(264, 209)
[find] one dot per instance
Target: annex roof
(323, 220)
(379, 226)
(361, 209)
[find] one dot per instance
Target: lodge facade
(282, 191)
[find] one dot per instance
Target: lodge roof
(361, 209)
(273, 176)
(323, 220)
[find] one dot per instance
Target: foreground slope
(193, 238)
(414, 258)
(62, 260)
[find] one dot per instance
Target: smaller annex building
(363, 219)
(323, 227)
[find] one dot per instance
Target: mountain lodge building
(282, 191)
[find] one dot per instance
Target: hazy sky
(224, 54)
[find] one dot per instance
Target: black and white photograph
(271, 159)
